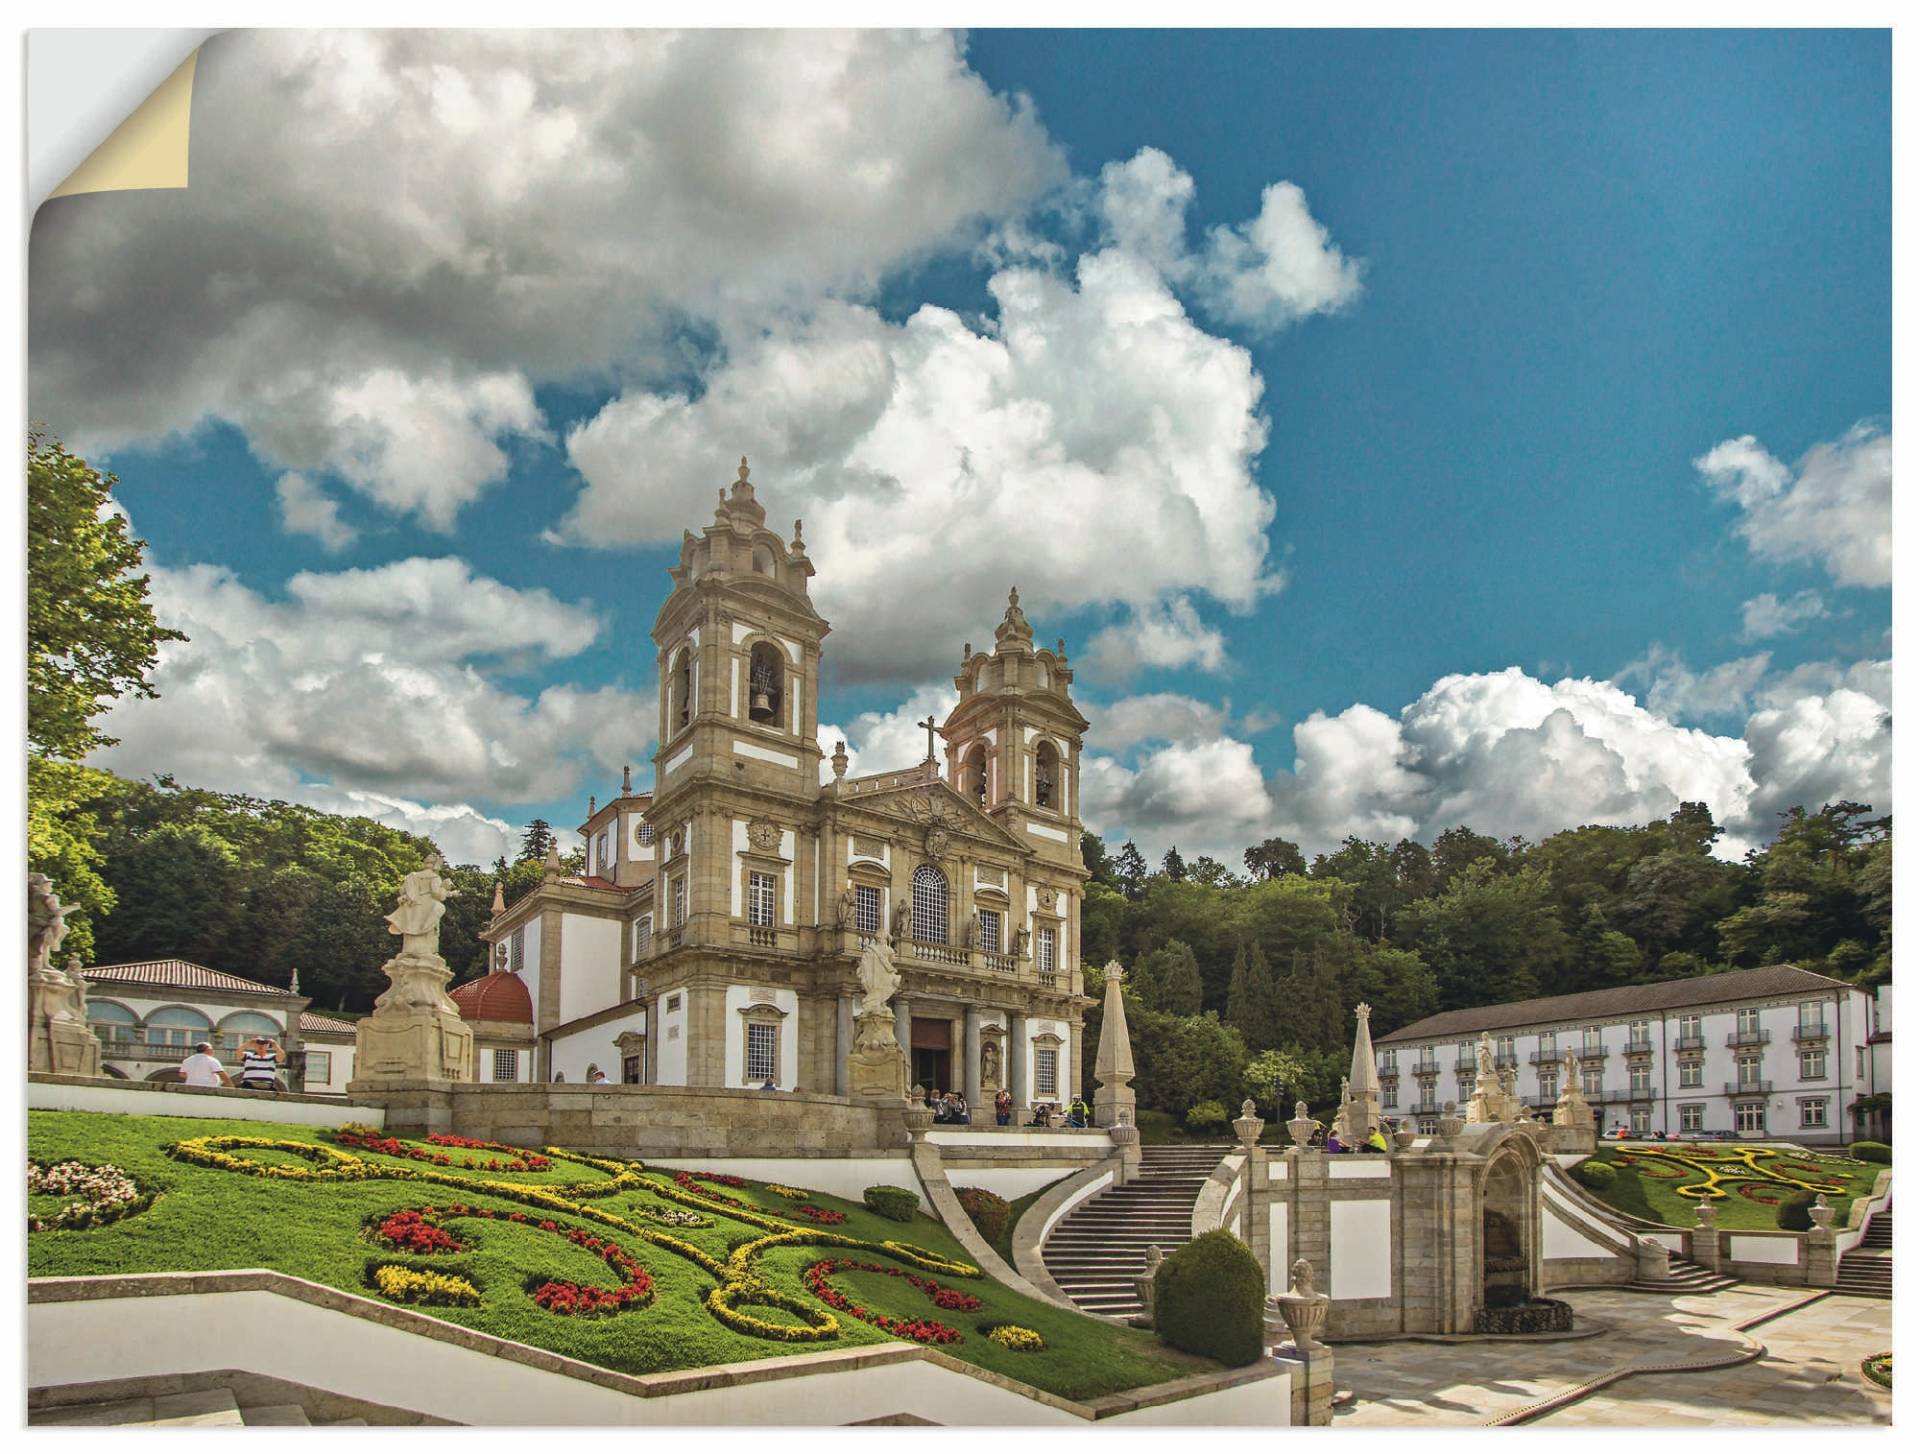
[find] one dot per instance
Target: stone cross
(928, 724)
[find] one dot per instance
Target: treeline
(1225, 965)
(254, 887)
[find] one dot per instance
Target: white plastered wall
(671, 1064)
(1360, 1249)
(595, 1045)
(589, 966)
(739, 997)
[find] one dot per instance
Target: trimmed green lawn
(1648, 1181)
(207, 1218)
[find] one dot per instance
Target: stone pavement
(1810, 1373)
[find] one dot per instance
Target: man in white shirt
(200, 1068)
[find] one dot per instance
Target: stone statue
(46, 922)
(1020, 943)
(902, 922)
(1570, 1068)
(845, 911)
(990, 1064)
(1489, 1073)
(879, 980)
(970, 935)
(423, 896)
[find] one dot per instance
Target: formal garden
(1751, 1188)
(632, 1268)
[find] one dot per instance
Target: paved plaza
(1809, 1373)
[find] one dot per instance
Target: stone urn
(1143, 1284)
(1248, 1126)
(1704, 1212)
(1820, 1214)
(1302, 1311)
(1404, 1136)
(1302, 1126)
(917, 1113)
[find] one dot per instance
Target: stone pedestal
(1143, 1285)
(415, 1031)
(1649, 1261)
(1572, 1108)
(1703, 1239)
(1300, 1313)
(876, 1066)
(1822, 1251)
(59, 1041)
(1126, 1140)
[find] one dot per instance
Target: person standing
(200, 1068)
(1003, 1107)
(260, 1062)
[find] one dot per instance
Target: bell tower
(739, 657)
(1013, 742)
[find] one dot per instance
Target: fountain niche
(1508, 1301)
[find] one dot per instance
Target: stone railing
(762, 937)
(886, 782)
(1001, 963)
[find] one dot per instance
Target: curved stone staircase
(1097, 1250)
(1867, 1271)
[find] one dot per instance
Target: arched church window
(766, 683)
(929, 905)
(680, 690)
(1046, 776)
(974, 775)
(762, 560)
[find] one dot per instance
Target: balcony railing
(1749, 1037)
(1001, 963)
(1546, 1057)
(1747, 1087)
(1593, 1052)
(1810, 1032)
(1689, 1042)
(761, 936)
(1640, 1047)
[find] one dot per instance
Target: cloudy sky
(1402, 430)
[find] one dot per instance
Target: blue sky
(1571, 356)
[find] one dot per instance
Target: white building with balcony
(1777, 1052)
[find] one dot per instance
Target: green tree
(1130, 870)
(1395, 982)
(536, 841)
(1103, 913)
(1274, 858)
(1271, 1068)
(1093, 853)
(1211, 872)
(91, 633)
(63, 842)
(1368, 867)
(180, 886)
(1490, 936)
(1173, 866)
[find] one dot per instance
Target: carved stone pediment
(936, 805)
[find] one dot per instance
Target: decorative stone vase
(1248, 1126)
(1450, 1122)
(1302, 1310)
(1704, 1212)
(1143, 1283)
(1404, 1136)
(1302, 1126)
(1820, 1214)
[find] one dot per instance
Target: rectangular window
(1046, 1072)
(1692, 1117)
(1859, 1062)
(630, 1070)
(1689, 1027)
(760, 900)
(1547, 1050)
(679, 899)
(1639, 1121)
(517, 950)
(1463, 1053)
(1691, 1074)
(990, 931)
(642, 937)
(1590, 1082)
(1747, 1068)
(1811, 1012)
(1390, 1060)
(1813, 1065)
(1046, 943)
(1590, 1038)
(646, 834)
(1747, 1021)
(506, 1065)
(1639, 1080)
(763, 1053)
(1813, 1114)
(866, 908)
(1503, 1050)
(1390, 1091)
(319, 1067)
(673, 1004)
(1549, 1085)
(1637, 1036)
(1750, 1118)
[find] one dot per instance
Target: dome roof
(494, 997)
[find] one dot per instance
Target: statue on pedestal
(415, 1031)
(59, 1040)
(1571, 1109)
(877, 1064)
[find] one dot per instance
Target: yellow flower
(1020, 1340)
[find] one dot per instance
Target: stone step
(275, 1415)
(207, 1408)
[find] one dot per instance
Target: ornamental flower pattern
(102, 1194)
(1713, 1170)
(920, 1330)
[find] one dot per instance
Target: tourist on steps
(1377, 1141)
(1334, 1144)
(1003, 1108)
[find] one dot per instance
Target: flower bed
(1019, 1339)
(920, 1330)
(433, 1289)
(102, 1194)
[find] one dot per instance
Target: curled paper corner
(149, 149)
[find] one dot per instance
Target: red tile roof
(312, 1024)
(495, 997)
(180, 974)
(594, 881)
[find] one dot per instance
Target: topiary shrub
(895, 1202)
(1791, 1214)
(1207, 1299)
(1877, 1152)
(986, 1211)
(1206, 1116)
(1595, 1175)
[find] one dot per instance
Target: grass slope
(1639, 1187)
(209, 1219)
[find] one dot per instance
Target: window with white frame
(1503, 1050)
(1813, 1065)
(506, 1065)
(643, 936)
(1590, 1038)
(763, 1052)
(1390, 1091)
(1639, 1080)
(319, 1067)
(1046, 1071)
(1590, 1082)
(760, 887)
(1691, 1074)
(1547, 1045)
(1750, 1118)
(1638, 1037)
(1747, 1070)
(1550, 1085)
(1045, 944)
(1639, 1121)
(645, 835)
(929, 905)
(677, 897)
(1390, 1060)
(990, 931)
(1747, 1021)
(866, 908)
(1812, 1013)
(1689, 1027)
(1692, 1116)
(1813, 1114)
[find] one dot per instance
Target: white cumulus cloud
(306, 509)
(1835, 507)
(1767, 616)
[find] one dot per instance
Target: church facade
(713, 938)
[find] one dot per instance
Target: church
(713, 936)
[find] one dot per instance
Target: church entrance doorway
(933, 1053)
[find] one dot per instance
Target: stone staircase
(1101, 1246)
(229, 1398)
(207, 1408)
(1684, 1276)
(1867, 1271)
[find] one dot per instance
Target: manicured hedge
(988, 1212)
(891, 1201)
(1594, 1175)
(1791, 1214)
(1877, 1152)
(1208, 1299)
(1206, 1115)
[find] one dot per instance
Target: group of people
(260, 1062)
(1077, 1115)
(950, 1108)
(1330, 1142)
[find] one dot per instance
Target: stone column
(1703, 1239)
(903, 1032)
(970, 1072)
(1113, 1101)
(1820, 1250)
(842, 1042)
(1019, 1054)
